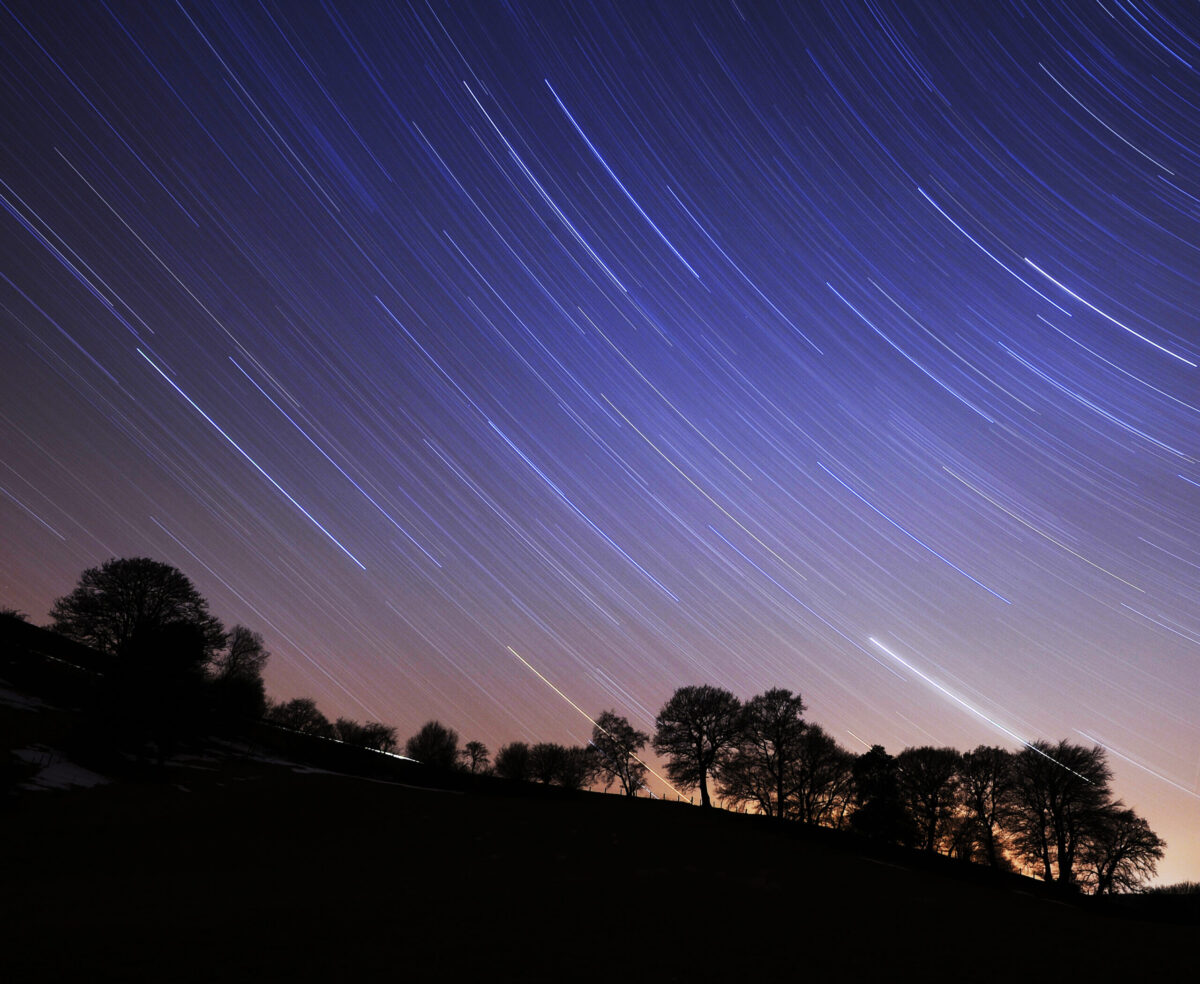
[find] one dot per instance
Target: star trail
(846, 347)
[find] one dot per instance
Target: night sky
(851, 348)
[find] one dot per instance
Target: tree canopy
(435, 745)
(512, 761)
(1061, 796)
(300, 714)
(695, 730)
(546, 761)
(986, 780)
(1121, 851)
(127, 598)
(880, 811)
(929, 785)
(368, 734)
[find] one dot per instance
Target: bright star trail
(661, 343)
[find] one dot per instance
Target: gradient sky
(850, 348)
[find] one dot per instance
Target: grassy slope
(259, 873)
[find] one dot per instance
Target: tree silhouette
(695, 730)
(1061, 793)
(880, 812)
(512, 761)
(617, 745)
(124, 599)
(762, 767)
(300, 714)
(823, 778)
(546, 762)
(347, 731)
(475, 757)
(987, 784)
(243, 655)
(371, 734)
(379, 736)
(435, 745)
(236, 672)
(559, 765)
(579, 767)
(1121, 851)
(928, 779)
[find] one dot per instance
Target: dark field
(238, 870)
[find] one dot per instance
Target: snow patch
(56, 772)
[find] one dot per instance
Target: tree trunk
(989, 842)
(1065, 860)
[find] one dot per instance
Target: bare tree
(1121, 852)
(823, 779)
(929, 789)
(1061, 793)
(987, 784)
(475, 757)
(695, 730)
(242, 657)
(617, 745)
(762, 767)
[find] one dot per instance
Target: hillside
(232, 868)
(233, 862)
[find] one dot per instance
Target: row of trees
(1047, 807)
(572, 767)
(301, 714)
(611, 756)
